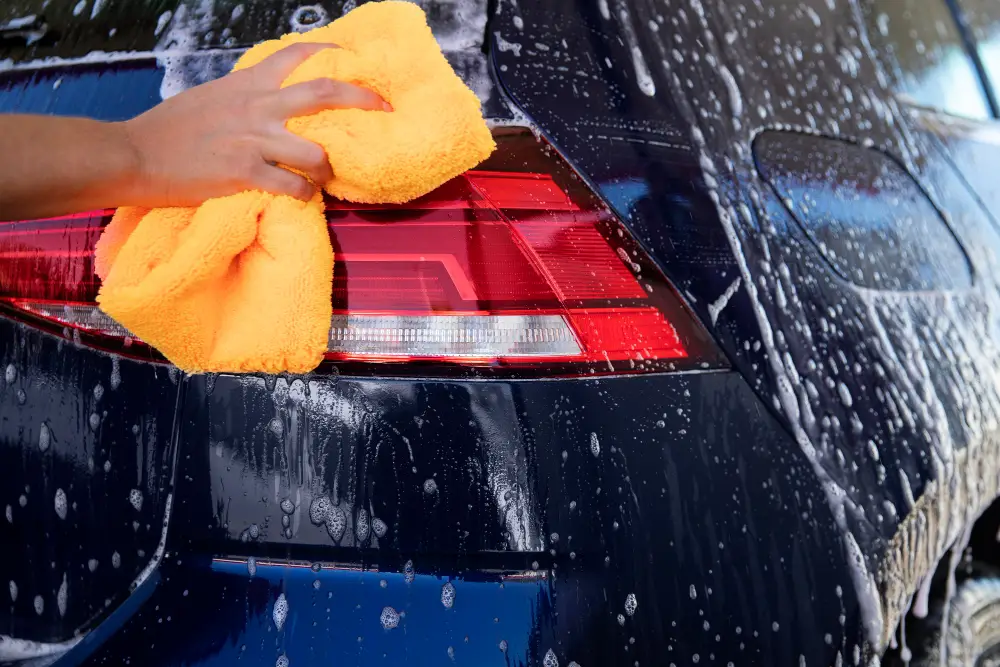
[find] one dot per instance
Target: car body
(815, 181)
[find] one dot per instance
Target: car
(700, 367)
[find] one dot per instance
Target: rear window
(983, 19)
(75, 28)
(85, 46)
(922, 49)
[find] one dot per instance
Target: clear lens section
(80, 316)
(466, 337)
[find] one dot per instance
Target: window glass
(922, 48)
(983, 18)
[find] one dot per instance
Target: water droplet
(10, 514)
(693, 592)
(116, 374)
(92, 564)
(309, 17)
(621, 619)
(251, 566)
(62, 596)
(336, 524)
(282, 661)
(44, 437)
(287, 506)
(382, 583)
(116, 560)
(98, 392)
(630, 604)
(378, 525)
(135, 497)
(362, 526)
(408, 574)
(389, 618)
(13, 591)
(319, 510)
(23, 500)
(430, 486)
(253, 531)
(277, 427)
(845, 395)
(280, 612)
(502, 645)
(11, 374)
(107, 466)
(95, 421)
(554, 537)
(60, 503)
(550, 659)
(39, 605)
(448, 595)
(595, 445)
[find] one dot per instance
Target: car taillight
(515, 266)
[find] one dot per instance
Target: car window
(983, 19)
(922, 48)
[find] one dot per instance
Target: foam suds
(17, 650)
(719, 304)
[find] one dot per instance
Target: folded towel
(243, 283)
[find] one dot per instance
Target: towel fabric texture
(243, 283)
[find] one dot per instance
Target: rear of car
(617, 396)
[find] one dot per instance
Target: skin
(216, 139)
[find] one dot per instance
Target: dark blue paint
(838, 193)
(96, 469)
(224, 615)
(699, 501)
(95, 91)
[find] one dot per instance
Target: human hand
(228, 135)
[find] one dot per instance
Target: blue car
(701, 367)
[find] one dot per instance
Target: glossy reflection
(924, 51)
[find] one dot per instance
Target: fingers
(275, 68)
(301, 154)
(309, 97)
(280, 181)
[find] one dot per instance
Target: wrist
(132, 183)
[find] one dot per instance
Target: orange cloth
(243, 283)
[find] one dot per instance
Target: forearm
(55, 165)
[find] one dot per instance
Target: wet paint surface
(610, 488)
(675, 518)
(878, 386)
(85, 450)
(329, 614)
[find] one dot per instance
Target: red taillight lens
(515, 265)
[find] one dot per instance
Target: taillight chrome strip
(472, 336)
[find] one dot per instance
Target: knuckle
(325, 89)
(259, 174)
(315, 156)
(301, 49)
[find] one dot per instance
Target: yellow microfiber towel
(243, 283)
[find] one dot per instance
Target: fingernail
(386, 106)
